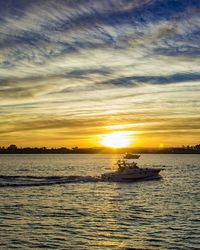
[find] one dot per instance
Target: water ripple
(157, 215)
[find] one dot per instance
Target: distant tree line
(13, 149)
(182, 150)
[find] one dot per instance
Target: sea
(49, 202)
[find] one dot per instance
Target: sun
(116, 140)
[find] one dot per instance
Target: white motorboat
(131, 156)
(131, 172)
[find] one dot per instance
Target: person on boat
(121, 165)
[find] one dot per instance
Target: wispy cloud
(98, 63)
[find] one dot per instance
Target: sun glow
(116, 140)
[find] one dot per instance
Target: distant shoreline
(94, 153)
(13, 149)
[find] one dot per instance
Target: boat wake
(31, 181)
(27, 181)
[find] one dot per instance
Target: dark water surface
(78, 214)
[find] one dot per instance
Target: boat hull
(132, 175)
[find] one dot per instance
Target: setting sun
(116, 140)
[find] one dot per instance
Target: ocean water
(88, 215)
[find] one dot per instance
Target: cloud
(111, 61)
(135, 80)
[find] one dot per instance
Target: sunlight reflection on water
(146, 215)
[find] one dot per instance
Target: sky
(73, 71)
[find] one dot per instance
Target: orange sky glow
(72, 73)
